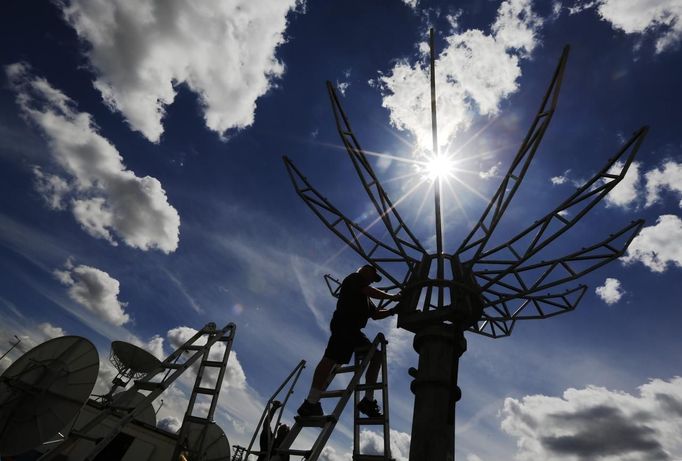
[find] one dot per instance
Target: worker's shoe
(369, 408)
(310, 409)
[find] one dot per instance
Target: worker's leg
(372, 374)
(320, 378)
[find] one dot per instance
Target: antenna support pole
(437, 185)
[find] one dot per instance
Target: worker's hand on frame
(397, 296)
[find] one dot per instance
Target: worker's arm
(378, 294)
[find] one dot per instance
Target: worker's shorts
(342, 344)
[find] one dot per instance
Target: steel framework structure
(481, 287)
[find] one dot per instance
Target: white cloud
(658, 245)
(107, 198)
(170, 424)
(372, 443)
(343, 85)
(411, 3)
(597, 423)
(561, 179)
(51, 331)
(611, 291)
(142, 51)
(624, 194)
(234, 373)
(95, 290)
(51, 187)
(661, 18)
(474, 73)
(669, 177)
(491, 172)
(330, 454)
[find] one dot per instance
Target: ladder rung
(366, 387)
(363, 457)
(332, 394)
(371, 421)
(346, 369)
(193, 347)
(315, 421)
(197, 419)
(149, 385)
(174, 366)
(291, 451)
(205, 390)
(212, 363)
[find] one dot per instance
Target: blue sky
(143, 194)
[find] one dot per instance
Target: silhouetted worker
(266, 436)
(353, 309)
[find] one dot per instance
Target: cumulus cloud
(625, 193)
(611, 291)
(659, 245)
(492, 172)
(234, 373)
(142, 51)
(667, 177)
(597, 423)
(372, 443)
(105, 197)
(660, 18)
(170, 423)
(51, 331)
(95, 290)
(474, 73)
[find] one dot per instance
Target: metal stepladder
(328, 422)
(192, 421)
(125, 415)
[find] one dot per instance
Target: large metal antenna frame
(482, 288)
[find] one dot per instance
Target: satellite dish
(43, 391)
(130, 399)
(206, 442)
(131, 362)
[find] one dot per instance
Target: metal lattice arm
(333, 284)
(498, 320)
(536, 306)
(508, 283)
(406, 243)
(578, 204)
(366, 245)
(478, 237)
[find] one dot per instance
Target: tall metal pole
(434, 131)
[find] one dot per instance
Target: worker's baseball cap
(377, 277)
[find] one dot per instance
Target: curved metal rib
(357, 238)
(578, 204)
(478, 237)
(499, 285)
(406, 243)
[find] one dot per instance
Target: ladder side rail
(296, 372)
(184, 428)
(321, 441)
(384, 396)
(221, 373)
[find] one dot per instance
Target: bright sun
(438, 167)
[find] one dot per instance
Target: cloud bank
(106, 198)
(141, 51)
(597, 423)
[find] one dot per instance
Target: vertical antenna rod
(434, 130)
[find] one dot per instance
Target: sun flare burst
(439, 166)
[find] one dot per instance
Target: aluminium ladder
(210, 388)
(328, 422)
(155, 388)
